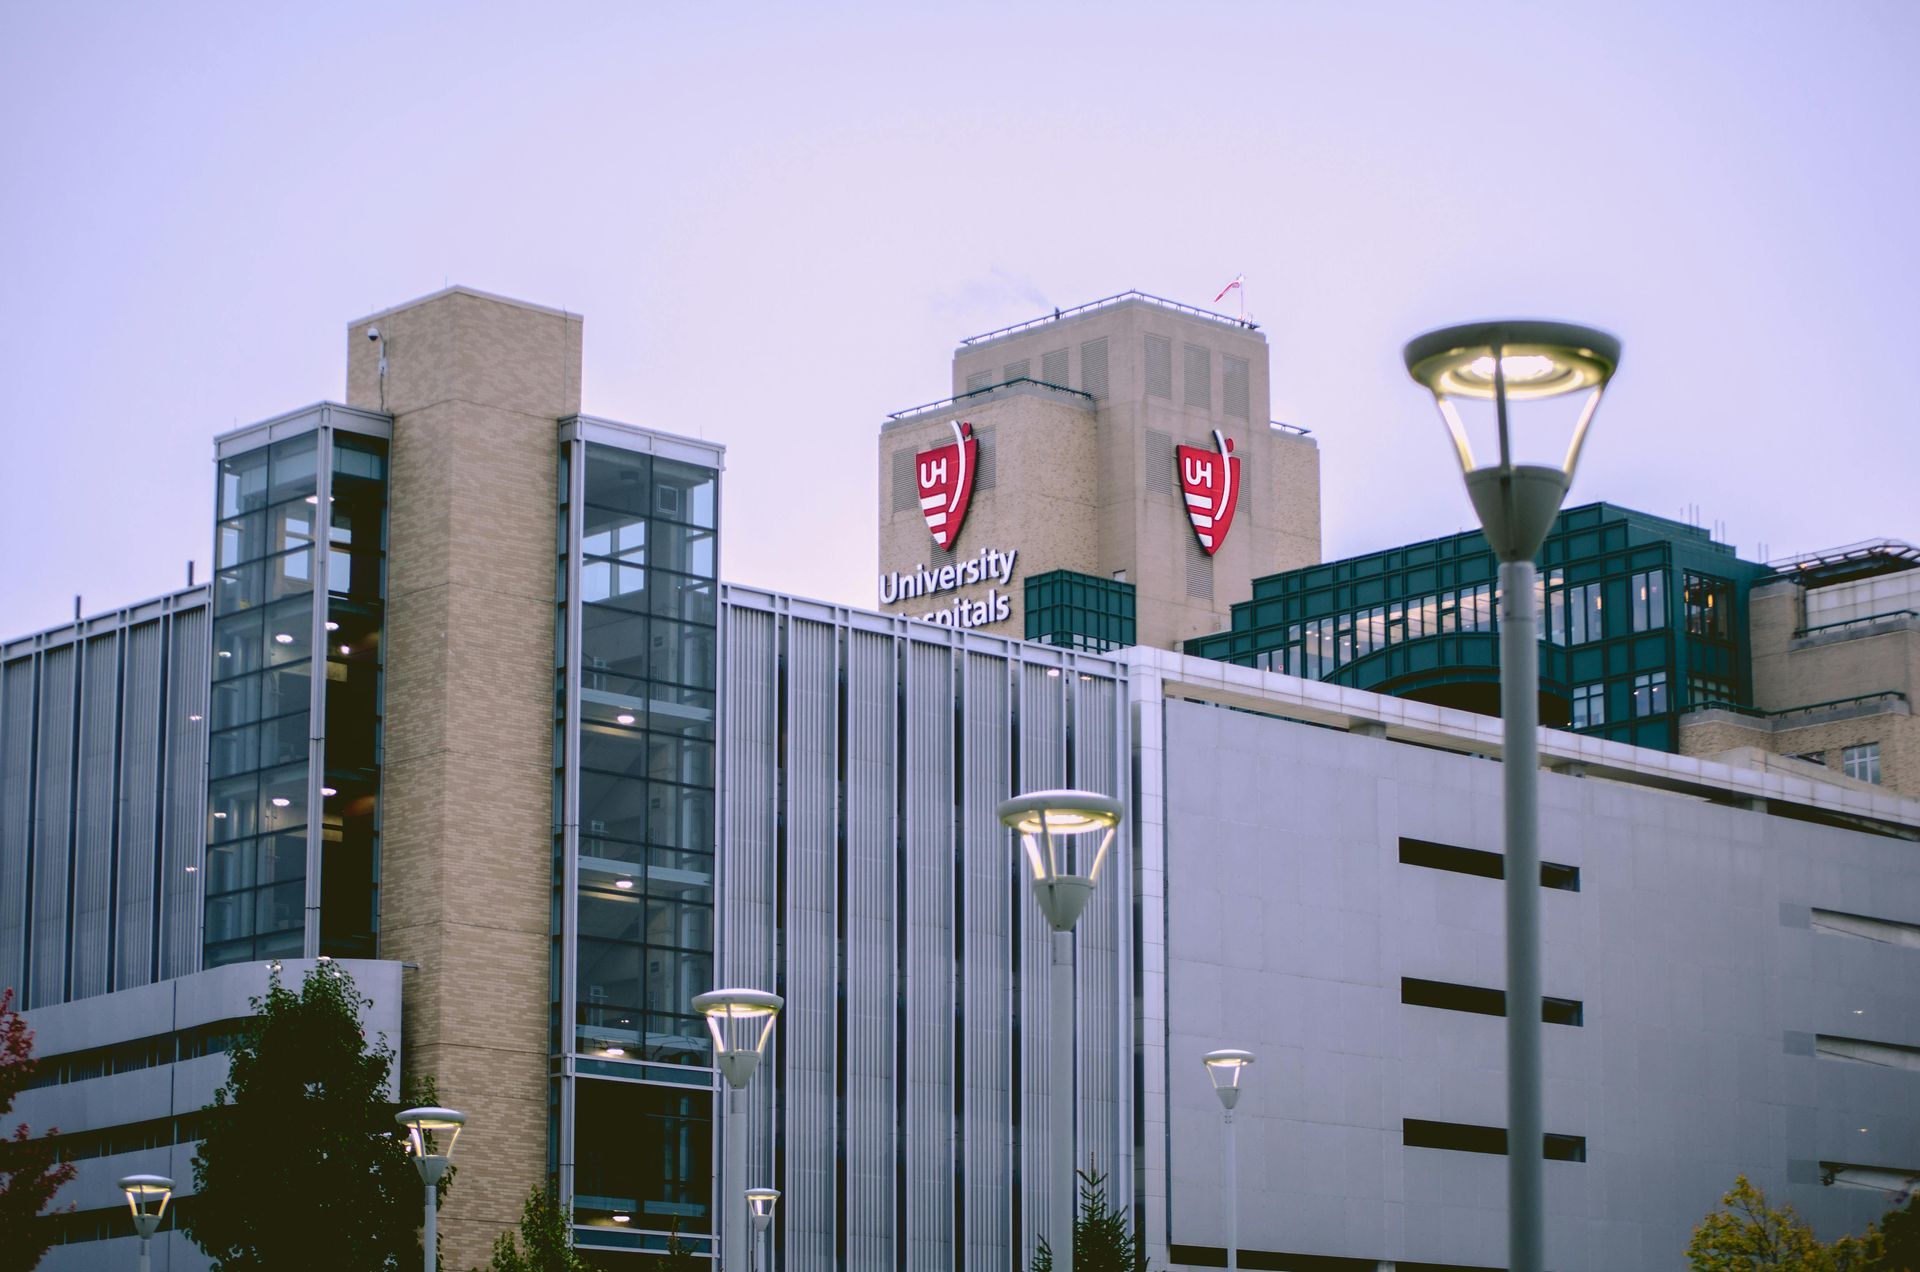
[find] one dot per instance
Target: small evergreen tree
(680, 1255)
(30, 1172)
(303, 1127)
(1747, 1235)
(1102, 1240)
(547, 1232)
(1900, 1230)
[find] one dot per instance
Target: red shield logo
(945, 475)
(1210, 480)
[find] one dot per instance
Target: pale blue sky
(779, 219)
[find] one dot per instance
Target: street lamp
(760, 1202)
(741, 1021)
(1225, 1067)
(147, 1197)
(1063, 833)
(1519, 368)
(425, 1126)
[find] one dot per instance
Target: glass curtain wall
(634, 850)
(293, 803)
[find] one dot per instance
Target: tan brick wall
(476, 385)
(1898, 733)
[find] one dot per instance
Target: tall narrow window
(1650, 693)
(1861, 763)
(1649, 591)
(1584, 618)
(1589, 706)
(1709, 605)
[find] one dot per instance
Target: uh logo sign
(945, 476)
(1210, 480)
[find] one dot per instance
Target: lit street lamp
(741, 1021)
(147, 1197)
(430, 1158)
(1066, 835)
(760, 1202)
(1225, 1068)
(1518, 370)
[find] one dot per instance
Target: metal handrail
(1162, 301)
(1851, 622)
(1895, 548)
(1718, 705)
(1285, 427)
(974, 393)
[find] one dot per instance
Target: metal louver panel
(1199, 572)
(985, 947)
(906, 491)
(1103, 947)
(1159, 459)
(95, 798)
(809, 961)
(52, 827)
(979, 380)
(986, 473)
(1053, 367)
(927, 988)
(16, 799)
(1020, 370)
(1197, 377)
(1234, 382)
(185, 825)
(1159, 367)
(1043, 766)
(140, 733)
(1093, 369)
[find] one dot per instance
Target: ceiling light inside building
(623, 883)
(281, 801)
(282, 638)
(623, 718)
(328, 791)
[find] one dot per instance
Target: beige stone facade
(476, 385)
(1092, 469)
(1822, 688)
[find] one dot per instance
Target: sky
(778, 221)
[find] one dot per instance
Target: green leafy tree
(1900, 1231)
(1747, 1235)
(680, 1255)
(546, 1232)
(301, 1167)
(30, 1170)
(1103, 1240)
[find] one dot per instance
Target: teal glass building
(1643, 617)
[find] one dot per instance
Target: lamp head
(741, 1021)
(147, 1197)
(431, 1131)
(760, 1203)
(1507, 375)
(1066, 835)
(1224, 1068)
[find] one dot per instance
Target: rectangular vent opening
(1053, 367)
(1234, 381)
(1159, 367)
(1447, 996)
(986, 473)
(1021, 370)
(1159, 461)
(1894, 1180)
(1093, 369)
(1477, 861)
(1890, 931)
(906, 489)
(1197, 380)
(979, 380)
(1464, 1137)
(1862, 1051)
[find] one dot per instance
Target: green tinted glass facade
(1641, 617)
(634, 750)
(292, 858)
(1079, 611)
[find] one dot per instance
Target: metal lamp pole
(1052, 825)
(424, 1126)
(147, 1197)
(741, 1021)
(1503, 363)
(1224, 1069)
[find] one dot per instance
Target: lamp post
(1063, 833)
(1516, 369)
(1224, 1068)
(760, 1203)
(147, 1197)
(430, 1158)
(741, 1021)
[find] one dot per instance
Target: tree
(30, 1172)
(1747, 1235)
(1900, 1230)
(680, 1255)
(1102, 1241)
(303, 1127)
(547, 1231)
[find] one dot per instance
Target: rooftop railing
(1812, 708)
(1855, 622)
(958, 398)
(1125, 296)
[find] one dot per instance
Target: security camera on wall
(373, 333)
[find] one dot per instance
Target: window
(1589, 706)
(1650, 693)
(1862, 763)
(1705, 690)
(1709, 604)
(1583, 614)
(1811, 757)
(1447, 996)
(1477, 861)
(1556, 608)
(1462, 1137)
(1649, 590)
(1476, 608)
